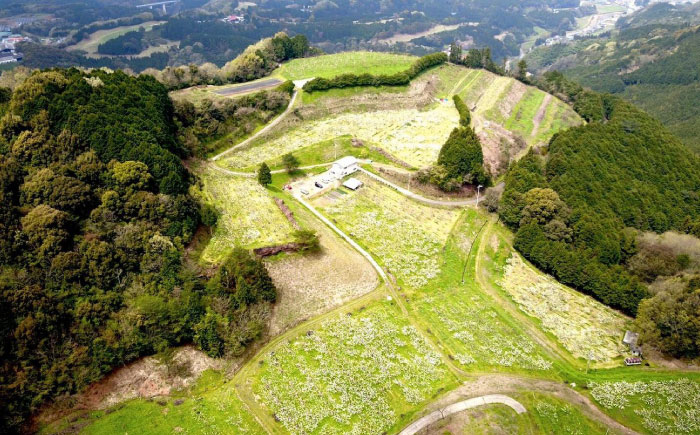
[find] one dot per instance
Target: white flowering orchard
(584, 326)
(355, 374)
(403, 235)
(662, 407)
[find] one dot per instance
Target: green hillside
(648, 60)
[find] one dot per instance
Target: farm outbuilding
(630, 340)
(345, 166)
(353, 184)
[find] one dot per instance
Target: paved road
(462, 406)
(242, 89)
(267, 128)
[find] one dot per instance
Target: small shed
(630, 339)
(352, 183)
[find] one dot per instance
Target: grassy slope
(329, 66)
(91, 43)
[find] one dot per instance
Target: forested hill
(94, 216)
(571, 206)
(651, 60)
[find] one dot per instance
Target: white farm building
(343, 167)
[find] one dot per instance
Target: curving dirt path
(462, 406)
(509, 384)
(264, 130)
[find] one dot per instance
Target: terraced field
(357, 373)
(411, 135)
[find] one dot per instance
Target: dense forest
(651, 59)
(95, 214)
(637, 177)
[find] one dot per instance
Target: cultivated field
(249, 216)
(332, 65)
(594, 333)
(357, 373)
(403, 235)
(411, 135)
(308, 285)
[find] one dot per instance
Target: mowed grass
(545, 414)
(93, 41)
(248, 218)
(411, 135)
(204, 410)
(363, 372)
(652, 406)
(356, 62)
(468, 324)
(403, 235)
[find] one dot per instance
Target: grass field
(90, 44)
(359, 62)
(358, 373)
(403, 235)
(465, 321)
(248, 215)
(204, 409)
(411, 135)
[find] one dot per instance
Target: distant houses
(8, 52)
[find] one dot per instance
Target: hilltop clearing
(411, 123)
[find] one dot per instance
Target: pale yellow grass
(249, 216)
(411, 135)
(406, 37)
(584, 326)
(310, 285)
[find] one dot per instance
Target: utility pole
(477, 195)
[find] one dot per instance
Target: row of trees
(399, 79)
(474, 58)
(461, 160)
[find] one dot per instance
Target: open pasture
(594, 332)
(356, 62)
(404, 236)
(248, 215)
(411, 135)
(361, 372)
